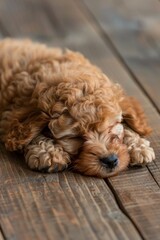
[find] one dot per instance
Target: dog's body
(58, 109)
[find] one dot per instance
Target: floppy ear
(21, 126)
(134, 116)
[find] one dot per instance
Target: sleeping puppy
(59, 109)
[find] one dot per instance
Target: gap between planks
(108, 41)
(111, 31)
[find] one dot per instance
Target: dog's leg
(139, 148)
(45, 155)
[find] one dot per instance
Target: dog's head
(82, 113)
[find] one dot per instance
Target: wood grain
(57, 206)
(133, 29)
(25, 19)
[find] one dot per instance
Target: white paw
(142, 154)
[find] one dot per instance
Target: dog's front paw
(142, 153)
(46, 157)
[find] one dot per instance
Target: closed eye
(114, 138)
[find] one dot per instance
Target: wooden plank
(133, 28)
(57, 206)
(140, 196)
(25, 19)
(85, 39)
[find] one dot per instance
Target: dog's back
(18, 60)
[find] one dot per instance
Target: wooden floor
(123, 38)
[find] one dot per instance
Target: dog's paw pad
(57, 167)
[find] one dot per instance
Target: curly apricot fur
(58, 108)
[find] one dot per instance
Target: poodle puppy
(61, 111)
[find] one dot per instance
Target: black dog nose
(110, 161)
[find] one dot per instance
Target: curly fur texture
(58, 109)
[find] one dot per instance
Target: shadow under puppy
(59, 109)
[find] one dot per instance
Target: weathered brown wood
(25, 19)
(57, 206)
(69, 205)
(140, 196)
(133, 28)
